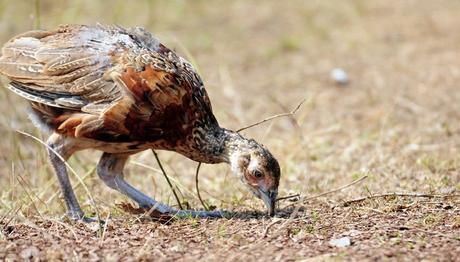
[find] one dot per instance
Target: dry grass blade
(395, 194)
(198, 189)
(75, 187)
(304, 199)
(273, 117)
(337, 189)
(5, 224)
(288, 197)
(104, 230)
(90, 196)
(37, 14)
(29, 193)
(167, 179)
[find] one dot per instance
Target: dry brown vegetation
(398, 122)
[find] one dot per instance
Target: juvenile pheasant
(121, 91)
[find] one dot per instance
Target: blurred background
(397, 120)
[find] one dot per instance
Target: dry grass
(398, 122)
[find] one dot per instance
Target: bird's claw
(80, 217)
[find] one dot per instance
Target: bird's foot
(199, 214)
(87, 219)
(81, 217)
(163, 212)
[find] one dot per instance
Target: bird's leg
(110, 170)
(59, 150)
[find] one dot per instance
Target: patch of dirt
(397, 228)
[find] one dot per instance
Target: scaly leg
(61, 149)
(110, 170)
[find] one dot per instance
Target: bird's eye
(257, 173)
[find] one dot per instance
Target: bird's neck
(220, 145)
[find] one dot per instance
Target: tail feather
(31, 95)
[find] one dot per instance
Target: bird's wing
(74, 67)
(115, 74)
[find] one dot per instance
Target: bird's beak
(269, 198)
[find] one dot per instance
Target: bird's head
(259, 171)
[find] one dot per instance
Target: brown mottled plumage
(121, 91)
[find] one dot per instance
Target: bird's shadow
(284, 213)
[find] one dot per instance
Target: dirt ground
(395, 229)
(396, 123)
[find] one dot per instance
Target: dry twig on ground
(336, 190)
(434, 233)
(395, 194)
(289, 197)
(304, 199)
(269, 226)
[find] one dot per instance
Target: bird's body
(119, 91)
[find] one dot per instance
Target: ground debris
(316, 231)
(150, 213)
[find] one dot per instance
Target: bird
(121, 91)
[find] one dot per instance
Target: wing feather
(67, 67)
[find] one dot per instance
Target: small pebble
(340, 242)
(339, 76)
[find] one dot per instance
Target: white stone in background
(340, 242)
(339, 76)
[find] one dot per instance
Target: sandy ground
(400, 229)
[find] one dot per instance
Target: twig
(335, 190)
(269, 226)
(400, 228)
(304, 199)
(287, 197)
(167, 179)
(395, 194)
(197, 188)
(292, 118)
(272, 117)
